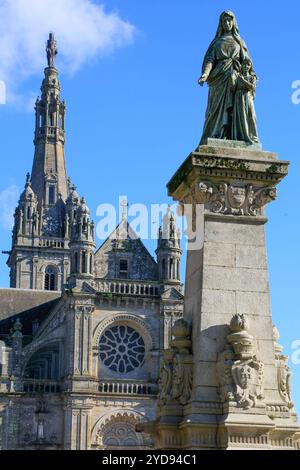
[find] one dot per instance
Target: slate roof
(27, 305)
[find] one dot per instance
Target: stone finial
(239, 323)
(124, 205)
(240, 339)
(83, 209)
(51, 50)
(181, 332)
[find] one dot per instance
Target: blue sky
(135, 111)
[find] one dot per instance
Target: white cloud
(83, 28)
(8, 202)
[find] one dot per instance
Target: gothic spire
(49, 171)
(40, 256)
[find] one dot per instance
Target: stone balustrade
(41, 386)
(127, 388)
(52, 243)
(129, 287)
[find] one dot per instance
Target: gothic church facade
(82, 331)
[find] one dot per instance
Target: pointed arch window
(163, 268)
(51, 194)
(76, 262)
(50, 278)
(178, 270)
(83, 262)
(52, 120)
(91, 264)
(171, 275)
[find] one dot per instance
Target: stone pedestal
(239, 396)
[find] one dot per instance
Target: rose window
(122, 349)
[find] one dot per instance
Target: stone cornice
(218, 164)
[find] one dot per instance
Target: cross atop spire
(51, 50)
(124, 206)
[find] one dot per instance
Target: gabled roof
(124, 231)
(172, 294)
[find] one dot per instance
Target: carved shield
(236, 196)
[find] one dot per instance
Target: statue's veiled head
(227, 24)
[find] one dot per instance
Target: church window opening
(83, 262)
(171, 269)
(50, 278)
(91, 264)
(122, 349)
(163, 274)
(123, 269)
(43, 365)
(76, 262)
(51, 194)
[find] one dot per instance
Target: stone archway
(117, 431)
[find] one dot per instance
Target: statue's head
(227, 24)
(247, 67)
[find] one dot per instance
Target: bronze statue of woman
(222, 69)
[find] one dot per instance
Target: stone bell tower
(39, 258)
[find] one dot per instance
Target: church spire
(40, 255)
(49, 171)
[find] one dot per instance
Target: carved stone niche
(235, 198)
(176, 375)
(284, 374)
(240, 374)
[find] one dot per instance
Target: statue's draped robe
(224, 57)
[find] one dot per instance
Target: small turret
(169, 251)
(82, 244)
(26, 215)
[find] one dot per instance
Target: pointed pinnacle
(51, 50)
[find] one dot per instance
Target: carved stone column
(79, 347)
(236, 400)
(77, 424)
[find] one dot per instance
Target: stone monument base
(228, 387)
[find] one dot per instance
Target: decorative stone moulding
(241, 375)
(228, 179)
(236, 198)
(284, 374)
(176, 375)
